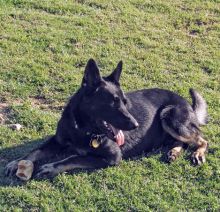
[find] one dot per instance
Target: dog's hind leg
(181, 124)
(198, 157)
(49, 148)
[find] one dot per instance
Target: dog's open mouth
(112, 132)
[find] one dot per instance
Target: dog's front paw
(11, 168)
(47, 171)
(198, 158)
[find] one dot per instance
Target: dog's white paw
(47, 171)
(11, 168)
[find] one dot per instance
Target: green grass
(44, 46)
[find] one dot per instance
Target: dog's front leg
(108, 154)
(70, 163)
(49, 148)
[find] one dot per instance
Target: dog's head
(104, 101)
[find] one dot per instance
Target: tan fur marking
(177, 149)
(202, 146)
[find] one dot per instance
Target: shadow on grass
(12, 153)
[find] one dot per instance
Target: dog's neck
(80, 121)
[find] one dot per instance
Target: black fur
(137, 113)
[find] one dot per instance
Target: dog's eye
(116, 101)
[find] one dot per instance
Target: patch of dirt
(36, 101)
(4, 112)
(45, 104)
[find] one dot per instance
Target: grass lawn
(44, 46)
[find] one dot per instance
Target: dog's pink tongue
(120, 138)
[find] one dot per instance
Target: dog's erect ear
(91, 76)
(115, 75)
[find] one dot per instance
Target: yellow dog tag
(95, 143)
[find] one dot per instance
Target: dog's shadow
(11, 153)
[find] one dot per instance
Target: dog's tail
(199, 106)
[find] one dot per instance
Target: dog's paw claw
(46, 171)
(11, 168)
(198, 158)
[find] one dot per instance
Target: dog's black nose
(133, 124)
